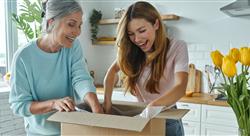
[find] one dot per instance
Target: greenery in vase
(95, 17)
(236, 85)
(29, 20)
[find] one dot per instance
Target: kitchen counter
(203, 98)
(198, 98)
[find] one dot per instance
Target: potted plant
(94, 19)
(29, 20)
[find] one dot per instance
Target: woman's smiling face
(68, 29)
(142, 33)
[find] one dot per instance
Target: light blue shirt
(40, 76)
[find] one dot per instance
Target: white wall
(202, 25)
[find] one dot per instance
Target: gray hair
(57, 9)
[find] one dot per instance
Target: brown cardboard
(83, 123)
(155, 127)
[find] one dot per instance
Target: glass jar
(243, 132)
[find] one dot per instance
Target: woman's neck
(48, 44)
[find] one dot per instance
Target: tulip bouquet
(236, 84)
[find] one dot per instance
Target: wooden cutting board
(194, 79)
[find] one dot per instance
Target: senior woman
(50, 74)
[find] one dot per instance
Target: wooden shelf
(104, 43)
(170, 17)
(116, 21)
(107, 41)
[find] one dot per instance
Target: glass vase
(243, 132)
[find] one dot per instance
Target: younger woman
(155, 66)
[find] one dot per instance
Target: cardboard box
(84, 123)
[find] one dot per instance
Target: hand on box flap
(150, 111)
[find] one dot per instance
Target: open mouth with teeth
(71, 39)
(143, 45)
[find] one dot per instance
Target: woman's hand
(107, 107)
(64, 104)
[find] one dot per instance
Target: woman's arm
(175, 93)
(109, 82)
(91, 99)
(64, 104)
(82, 81)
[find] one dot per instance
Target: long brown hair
(131, 58)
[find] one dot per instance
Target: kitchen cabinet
(191, 128)
(217, 130)
(100, 41)
(207, 120)
(218, 120)
(191, 121)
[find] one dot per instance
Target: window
(3, 49)
(10, 38)
(22, 40)
(21, 8)
(8, 34)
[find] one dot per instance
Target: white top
(177, 61)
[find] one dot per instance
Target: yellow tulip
(245, 56)
(7, 76)
(217, 58)
(235, 54)
(228, 66)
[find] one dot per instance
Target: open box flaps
(119, 121)
(100, 120)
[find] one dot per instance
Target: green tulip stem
(224, 78)
(242, 69)
(230, 79)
